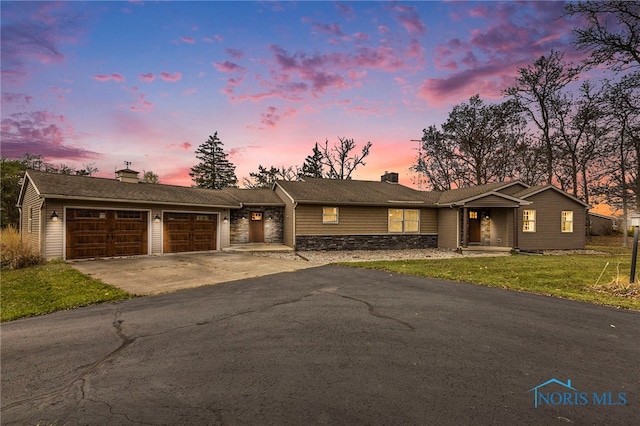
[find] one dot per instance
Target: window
(329, 215)
(412, 221)
(567, 221)
(473, 215)
(90, 214)
(404, 221)
(178, 216)
(529, 221)
(127, 214)
(30, 220)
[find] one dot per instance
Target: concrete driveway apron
(161, 274)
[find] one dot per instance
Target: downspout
(465, 227)
(20, 224)
(294, 225)
(42, 228)
(515, 229)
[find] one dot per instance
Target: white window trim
(331, 222)
(531, 221)
(563, 221)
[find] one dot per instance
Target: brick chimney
(389, 177)
(127, 175)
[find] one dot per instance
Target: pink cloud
(141, 104)
(172, 78)
(271, 117)
(361, 36)
(488, 59)
(359, 109)
(346, 11)
(227, 66)
(147, 78)
(35, 31)
(235, 53)
(103, 78)
(186, 145)
(488, 80)
(43, 133)
(213, 39)
(409, 19)
(331, 29)
(188, 40)
(16, 98)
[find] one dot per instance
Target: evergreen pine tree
(313, 165)
(214, 170)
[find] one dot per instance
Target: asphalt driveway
(326, 345)
(147, 275)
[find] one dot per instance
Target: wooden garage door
(106, 233)
(189, 232)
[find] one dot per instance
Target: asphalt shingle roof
(52, 185)
(356, 192)
(256, 197)
(454, 195)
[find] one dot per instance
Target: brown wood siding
(448, 228)
(428, 221)
(31, 234)
(501, 227)
(549, 205)
(355, 220)
(288, 237)
(491, 201)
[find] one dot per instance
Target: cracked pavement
(327, 345)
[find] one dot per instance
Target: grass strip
(52, 287)
(567, 276)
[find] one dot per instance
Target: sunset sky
(147, 82)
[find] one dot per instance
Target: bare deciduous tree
(612, 34)
(537, 87)
(340, 160)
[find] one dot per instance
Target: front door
(256, 228)
(474, 227)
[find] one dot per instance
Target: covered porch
(489, 222)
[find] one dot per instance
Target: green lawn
(52, 287)
(568, 276)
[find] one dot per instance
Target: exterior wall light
(54, 216)
(225, 220)
(156, 218)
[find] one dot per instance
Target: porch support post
(465, 227)
(515, 228)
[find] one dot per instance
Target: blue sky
(147, 82)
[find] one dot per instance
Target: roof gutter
(150, 202)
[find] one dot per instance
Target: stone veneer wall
(273, 228)
(366, 242)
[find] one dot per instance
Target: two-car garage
(106, 233)
(92, 233)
